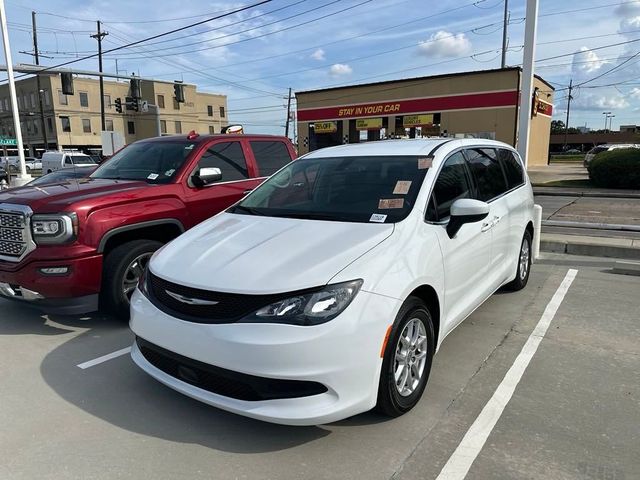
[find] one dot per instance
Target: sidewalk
(592, 246)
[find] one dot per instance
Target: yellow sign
(369, 124)
(325, 127)
(417, 120)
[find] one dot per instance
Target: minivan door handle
(487, 226)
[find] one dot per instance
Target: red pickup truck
(77, 246)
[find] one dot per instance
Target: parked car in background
(4, 175)
(78, 246)
(605, 148)
(52, 161)
(63, 175)
(13, 162)
(328, 289)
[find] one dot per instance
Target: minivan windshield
(380, 189)
(152, 162)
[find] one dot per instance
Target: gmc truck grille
(15, 238)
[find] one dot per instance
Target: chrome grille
(15, 238)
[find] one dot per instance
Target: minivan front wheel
(524, 265)
(123, 267)
(407, 359)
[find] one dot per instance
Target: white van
(52, 161)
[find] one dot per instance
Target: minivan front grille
(221, 381)
(15, 239)
(204, 306)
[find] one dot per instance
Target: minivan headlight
(54, 228)
(308, 309)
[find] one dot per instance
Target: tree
(557, 127)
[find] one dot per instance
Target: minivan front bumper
(342, 356)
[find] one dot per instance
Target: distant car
(62, 175)
(606, 148)
(31, 163)
(573, 151)
(52, 161)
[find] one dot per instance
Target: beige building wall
(201, 112)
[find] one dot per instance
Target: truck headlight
(54, 228)
(308, 309)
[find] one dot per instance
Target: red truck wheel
(123, 267)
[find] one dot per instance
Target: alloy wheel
(133, 273)
(525, 253)
(410, 357)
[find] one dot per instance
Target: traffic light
(134, 88)
(135, 104)
(118, 105)
(66, 78)
(178, 91)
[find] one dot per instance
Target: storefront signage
(540, 107)
(325, 127)
(507, 98)
(417, 120)
(369, 124)
(6, 141)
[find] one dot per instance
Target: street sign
(6, 141)
(144, 106)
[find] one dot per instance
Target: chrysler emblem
(190, 301)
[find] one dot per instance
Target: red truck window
(270, 156)
(229, 158)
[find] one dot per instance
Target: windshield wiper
(249, 210)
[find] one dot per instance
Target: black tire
(521, 280)
(116, 264)
(390, 401)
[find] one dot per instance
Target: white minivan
(52, 161)
(326, 291)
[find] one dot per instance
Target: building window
(221, 112)
(25, 102)
(49, 124)
(210, 110)
(160, 101)
(6, 105)
(107, 101)
(19, 103)
(176, 104)
(1, 105)
(131, 128)
(108, 123)
(163, 126)
(45, 97)
(178, 125)
(84, 99)
(211, 130)
(35, 127)
(32, 97)
(62, 98)
(66, 124)
(86, 125)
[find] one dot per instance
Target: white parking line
(104, 358)
(467, 451)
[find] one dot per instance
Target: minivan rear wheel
(122, 269)
(407, 359)
(524, 265)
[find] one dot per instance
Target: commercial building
(471, 104)
(73, 121)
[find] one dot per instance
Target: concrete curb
(590, 246)
(564, 192)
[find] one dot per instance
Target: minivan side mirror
(466, 210)
(206, 176)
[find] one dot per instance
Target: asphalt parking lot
(574, 412)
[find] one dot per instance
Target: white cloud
(318, 55)
(340, 69)
(599, 102)
(635, 93)
(445, 44)
(587, 61)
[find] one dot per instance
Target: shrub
(616, 169)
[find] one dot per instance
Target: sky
(256, 55)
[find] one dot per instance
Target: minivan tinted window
(487, 172)
(451, 185)
(512, 168)
(270, 156)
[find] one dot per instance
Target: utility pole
(23, 177)
(526, 88)
(99, 36)
(504, 33)
(286, 128)
(36, 57)
(566, 125)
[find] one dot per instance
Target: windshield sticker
(388, 203)
(168, 173)
(424, 163)
(152, 176)
(402, 187)
(378, 218)
(190, 147)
